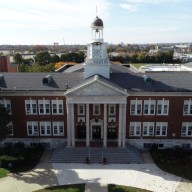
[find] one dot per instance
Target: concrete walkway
(96, 177)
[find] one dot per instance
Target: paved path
(42, 176)
(96, 177)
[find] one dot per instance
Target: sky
(43, 22)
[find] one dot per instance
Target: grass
(3, 172)
(138, 65)
(64, 188)
(120, 188)
(175, 161)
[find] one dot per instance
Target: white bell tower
(97, 62)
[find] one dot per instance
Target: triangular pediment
(97, 86)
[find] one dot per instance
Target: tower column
(87, 126)
(105, 127)
(68, 125)
(120, 125)
(124, 126)
(72, 126)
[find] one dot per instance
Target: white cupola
(97, 62)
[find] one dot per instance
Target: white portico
(96, 91)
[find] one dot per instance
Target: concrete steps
(129, 154)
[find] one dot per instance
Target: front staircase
(126, 155)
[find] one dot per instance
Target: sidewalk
(96, 176)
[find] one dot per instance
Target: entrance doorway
(96, 131)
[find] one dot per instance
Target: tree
(4, 120)
(43, 58)
(17, 58)
(55, 58)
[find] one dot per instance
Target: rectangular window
(31, 107)
(186, 130)
(148, 128)
(45, 128)
(136, 107)
(32, 128)
(10, 128)
(135, 129)
(96, 109)
(58, 128)
(112, 109)
(161, 129)
(162, 107)
(44, 107)
(57, 107)
(149, 107)
(187, 107)
(81, 109)
(7, 104)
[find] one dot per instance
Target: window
(30, 107)
(58, 128)
(10, 129)
(96, 109)
(6, 104)
(112, 109)
(45, 128)
(148, 128)
(57, 107)
(162, 107)
(136, 107)
(81, 109)
(32, 128)
(187, 108)
(149, 107)
(135, 129)
(161, 129)
(44, 107)
(186, 130)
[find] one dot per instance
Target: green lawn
(120, 188)
(3, 172)
(175, 161)
(138, 65)
(65, 188)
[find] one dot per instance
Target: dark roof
(121, 76)
(97, 22)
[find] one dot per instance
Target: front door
(96, 131)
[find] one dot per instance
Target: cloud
(51, 14)
(129, 7)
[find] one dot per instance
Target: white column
(120, 125)
(105, 126)
(72, 126)
(87, 125)
(124, 114)
(68, 125)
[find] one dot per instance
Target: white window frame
(149, 103)
(163, 107)
(33, 125)
(81, 109)
(30, 110)
(94, 109)
(47, 128)
(7, 104)
(134, 107)
(58, 106)
(135, 129)
(160, 127)
(10, 128)
(148, 129)
(112, 107)
(187, 126)
(187, 107)
(44, 103)
(58, 126)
